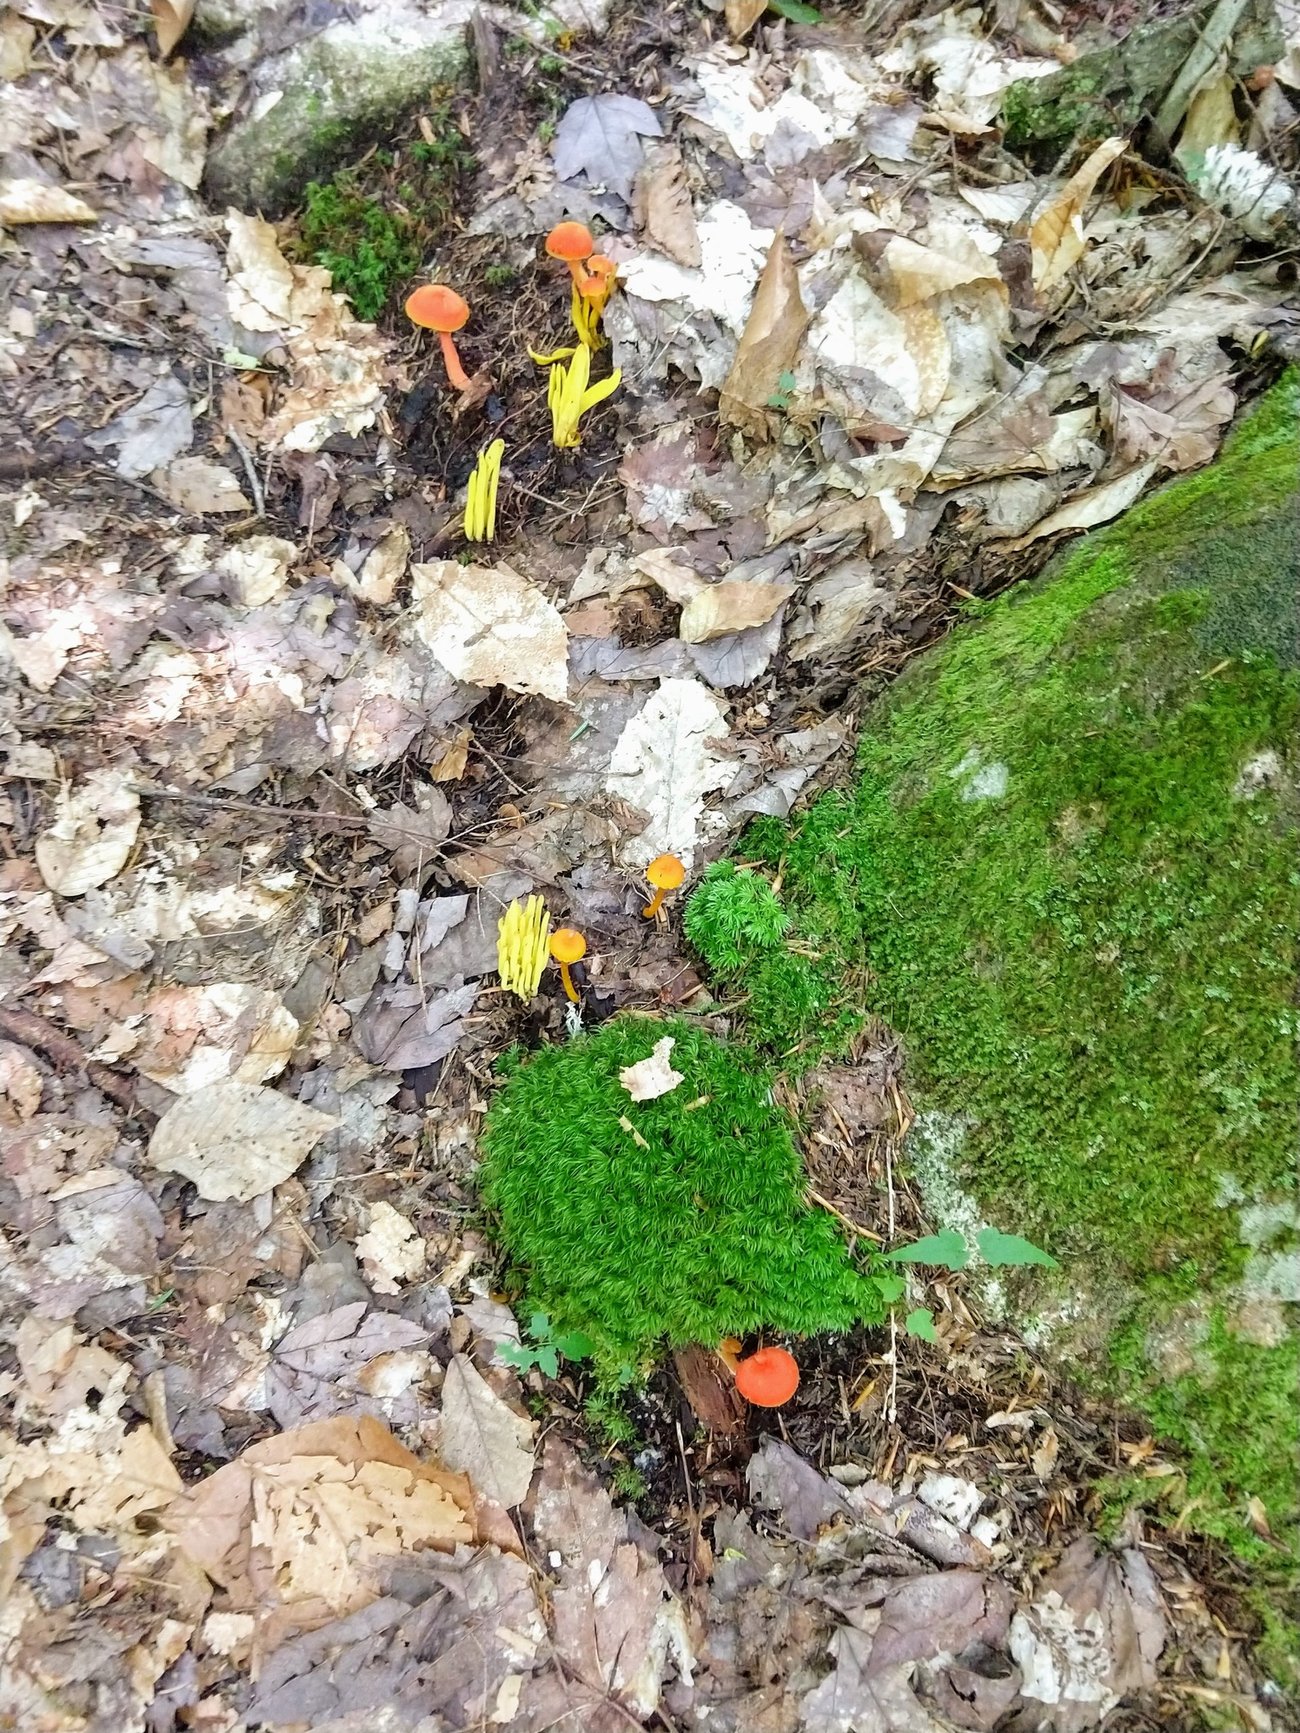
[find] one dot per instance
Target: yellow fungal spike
(569, 395)
(523, 940)
(481, 494)
(586, 320)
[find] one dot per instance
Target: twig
(855, 1227)
(250, 470)
(67, 1054)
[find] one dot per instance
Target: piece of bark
(710, 1389)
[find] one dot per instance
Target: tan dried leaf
(491, 627)
(33, 201)
(236, 1140)
(1095, 505)
(193, 484)
(743, 15)
(484, 1437)
(669, 214)
(731, 606)
(171, 20)
(768, 345)
(20, 1083)
(93, 833)
(1056, 238)
(652, 1076)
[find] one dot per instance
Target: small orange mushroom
(568, 946)
(571, 242)
(768, 1378)
(438, 308)
(665, 873)
(597, 283)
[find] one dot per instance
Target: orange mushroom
(597, 283)
(571, 242)
(768, 1378)
(665, 873)
(568, 946)
(438, 308)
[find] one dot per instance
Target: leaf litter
(274, 759)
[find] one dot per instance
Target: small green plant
(733, 916)
(545, 1349)
(679, 1219)
(780, 398)
(607, 1416)
(627, 1482)
(499, 276)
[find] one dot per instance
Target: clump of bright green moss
(1069, 876)
(673, 1221)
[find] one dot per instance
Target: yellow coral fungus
(523, 947)
(481, 495)
(569, 395)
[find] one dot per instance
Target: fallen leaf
(1056, 236)
(402, 1028)
(1043, 1460)
(731, 606)
(390, 1250)
(256, 569)
(483, 1437)
(669, 220)
(743, 15)
(194, 484)
(171, 19)
(1096, 505)
(151, 432)
(664, 763)
(491, 627)
(382, 570)
(324, 1366)
(236, 1140)
(600, 136)
(950, 259)
(33, 201)
(1172, 419)
(193, 1036)
(93, 833)
(652, 1076)
(768, 345)
(301, 1526)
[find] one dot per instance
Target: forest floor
(264, 796)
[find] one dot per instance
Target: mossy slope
(1069, 877)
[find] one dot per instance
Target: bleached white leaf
(733, 251)
(483, 1437)
(490, 627)
(236, 1140)
(664, 762)
(195, 484)
(33, 201)
(94, 831)
(256, 569)
(652, 1076)
(391, 1251)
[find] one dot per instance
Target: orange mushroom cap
(600, 272)
(437, 308)
(571, 242)
(768, 1378)
(665, 872)
(568, 945)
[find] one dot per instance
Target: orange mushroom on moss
(768, 1378)
(435, 307)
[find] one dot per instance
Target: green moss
(372, 225)
(1048, 880)
(680, 1219)
(732, 916)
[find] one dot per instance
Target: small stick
(67, 1054)
(839, 1215)
(250, 470)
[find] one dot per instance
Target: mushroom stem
(653, 907)
(569, 988)
(456, 374)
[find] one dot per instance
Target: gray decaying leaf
(614, 1623)
(483, 1437)
(786, 1483)
(236, 1140)
(402, 1028)
(453, 1660)
(151, 432)
(600, 136)
(318, 1365)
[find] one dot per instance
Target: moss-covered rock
(1069, 876)
(1108, 90)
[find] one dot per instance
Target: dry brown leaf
(194, 484)
(1056, 238)
(1095, 505)
(236, 1140)
(94, 831)
(1170, 418)
(298, 1528)
(669, 214)
(731, 606)
(743, 15)
(171, 20)
(33, 201)
(483, 1437)
(652, 1076)
(768, 345)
